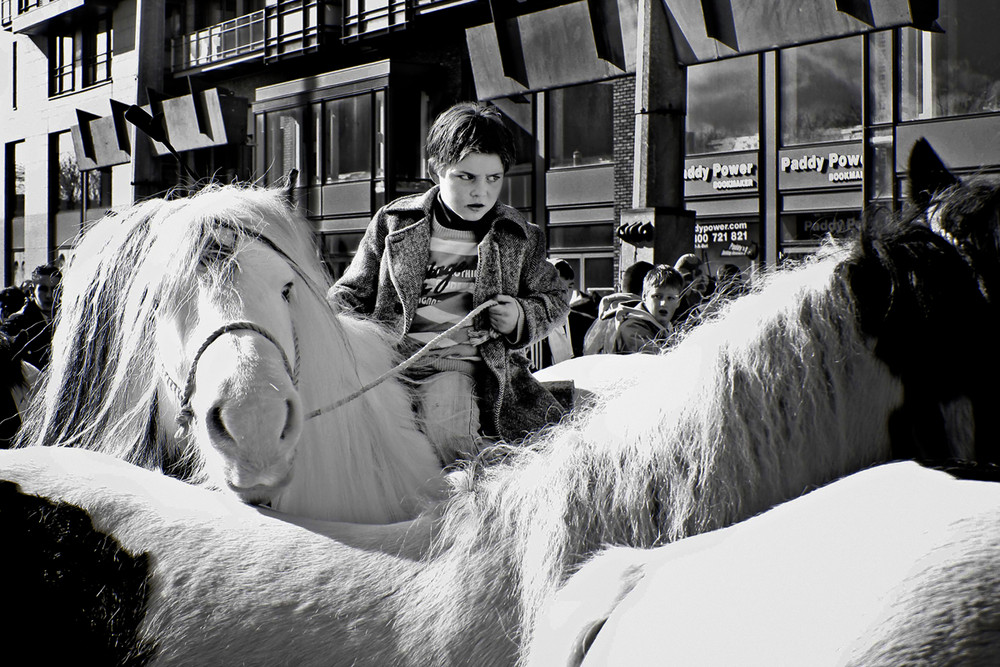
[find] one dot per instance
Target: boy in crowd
(646, 326)
(426, 261)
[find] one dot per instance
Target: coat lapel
(407, 250)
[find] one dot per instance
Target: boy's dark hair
(469, 127)
(688, 263)
(46, 270)
(565, 269)
(662, 275)
(12, 299)
(634, 275)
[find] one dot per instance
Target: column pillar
(657, 229)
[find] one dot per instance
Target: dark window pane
(69, 182)
(955, 72)
(580, 128)
(722, 106)
(338, 250)
(565, 237)
(348, 150)
(284, 144)
(821, 92)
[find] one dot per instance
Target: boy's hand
(505, 315)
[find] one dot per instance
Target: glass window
(955, 72)
(821, 92)
(97, 52)
(60, 64)
(14, 185)
(98, 187)
(884, 167)
(880, 62)
(517, 186)
(723, 106)
(572, 236)
(13, 75)
(348, 145)
(338, 250)
(69, 191)
(580, 129)
(283, 144)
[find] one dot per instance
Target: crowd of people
(26, 314)
(654, 303)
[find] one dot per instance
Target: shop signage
(728, 239)
(838, 167)
(724, 175)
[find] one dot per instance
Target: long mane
(101, 391)
(782, 392)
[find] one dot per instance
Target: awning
(523, 51)
(101, 141)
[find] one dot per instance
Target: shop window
(283, 144)
(61, 70)
(97, 52)
(338, 250)
(68, 191)
(803, 233)
(580, 129)
(821, 92)
(347, 145)
(723, 106)
(955, 72)
(97, 185)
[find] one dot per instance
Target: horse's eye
(286, 291)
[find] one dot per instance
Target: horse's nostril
(216, 426)
(290, 420)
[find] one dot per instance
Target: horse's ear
(928, 174)
(288, 191)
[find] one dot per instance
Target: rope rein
(407, 363)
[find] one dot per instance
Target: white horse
(213, 308)
(896, 565)
(821, 372)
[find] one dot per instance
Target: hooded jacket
(386, 275)
(635, 329)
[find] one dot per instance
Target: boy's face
(662, 302)
(45, 287)
(470, 187)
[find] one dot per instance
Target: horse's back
(596, 374)
(870, 569)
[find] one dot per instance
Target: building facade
(781, 146)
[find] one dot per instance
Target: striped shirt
(449, 285)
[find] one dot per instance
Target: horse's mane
(101, 389)
(779, 392)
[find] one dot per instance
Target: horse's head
(966, 213)
(227, 338)
(184, 311)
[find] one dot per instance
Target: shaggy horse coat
(896, 565)
(789, 388)
(141, 298)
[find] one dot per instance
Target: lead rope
(407, 363)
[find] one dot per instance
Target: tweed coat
(386, 275)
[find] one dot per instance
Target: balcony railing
(286, 28)
(226, 42)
